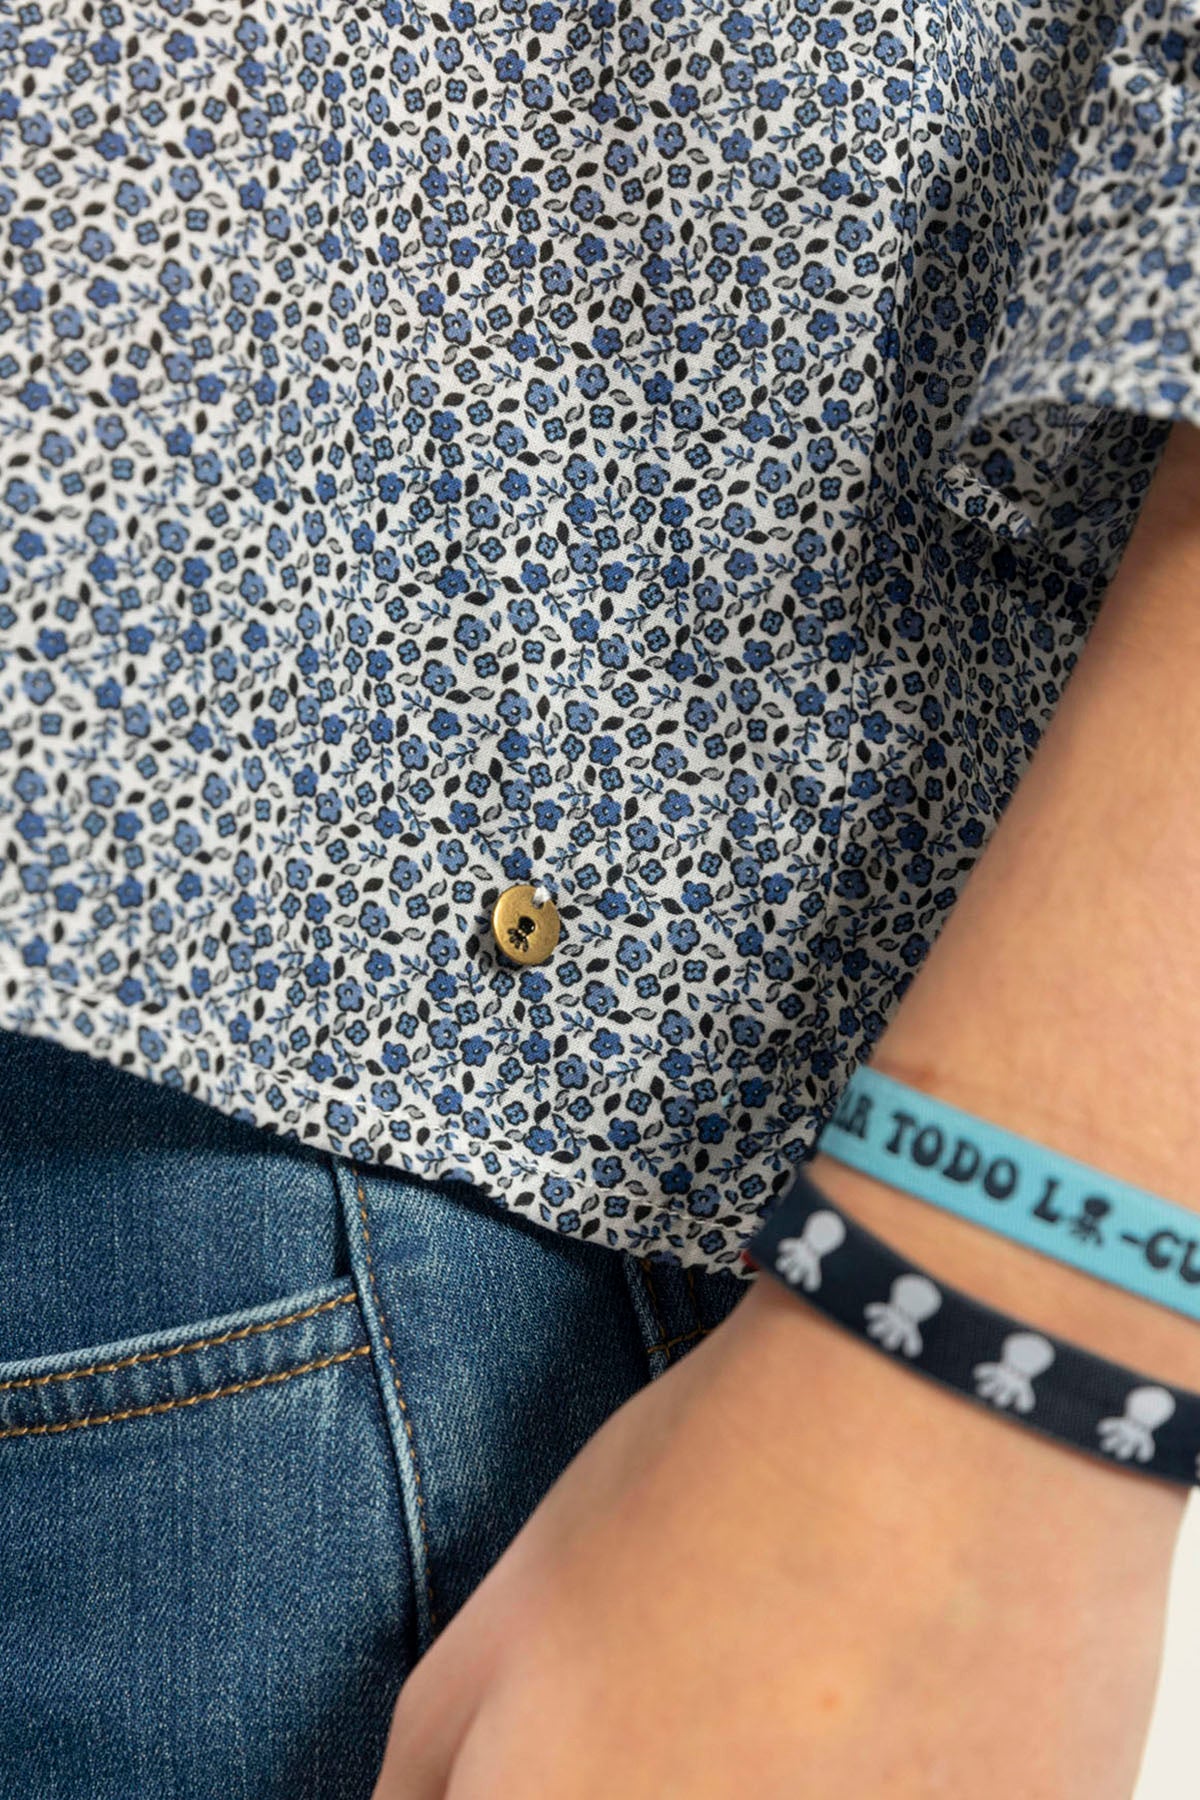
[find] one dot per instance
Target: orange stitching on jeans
(687, 1273)
(658, 1319)
(161, 1406)
(670, 1343)
(412, 1442)
(145, 1356)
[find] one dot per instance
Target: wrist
(994, 1528)
(946, 1552)
(833, 1405)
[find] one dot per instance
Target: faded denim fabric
(265, 1422)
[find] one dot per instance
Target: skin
(789, 1567)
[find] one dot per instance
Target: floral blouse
(669, 452)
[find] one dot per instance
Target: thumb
(432, 1717)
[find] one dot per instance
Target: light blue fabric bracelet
(1024, 1191)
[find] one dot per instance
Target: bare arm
(1062, 998)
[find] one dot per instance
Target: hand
(789, 1569)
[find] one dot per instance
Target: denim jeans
(266, 1420)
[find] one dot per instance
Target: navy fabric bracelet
(1014, 1369)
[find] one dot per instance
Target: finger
(431, 1719)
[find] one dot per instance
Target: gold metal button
(524, 931)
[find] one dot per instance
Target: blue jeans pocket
(144, 1377)
(205, 1585)
(205, 1580)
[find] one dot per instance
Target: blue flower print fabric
(668, 450)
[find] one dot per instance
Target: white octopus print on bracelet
(1026, 1375)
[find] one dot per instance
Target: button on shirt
(525, 924)
(669, 455)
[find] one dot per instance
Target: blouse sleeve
(1092, 346)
